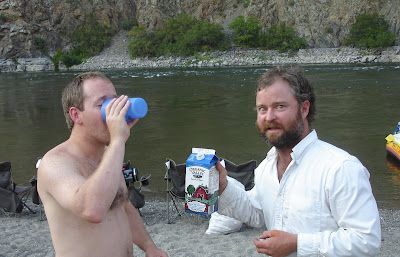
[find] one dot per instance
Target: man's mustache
(271, 126)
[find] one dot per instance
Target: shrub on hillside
(40, 44)
(142, 43)
(70, 58)
(67, 58)
(202, 37)
(87, 40)
(282, 38)
(56, 59)
(246, 31)
(90, 38)
(370, 31)
(128, 24)
(171, 35)
(183, 35)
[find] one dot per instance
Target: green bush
(202, 37)
(128, 24)
(90, 38)
(67, 58)
(142, 43)
(56, 59)
(70, 58)
(3, 17)
(181, 36)
(370, 31)
(282, 38)
(87, 40)
(245, 31)
(246, 3)
(7, 17)
(176, 28)
(40, 44)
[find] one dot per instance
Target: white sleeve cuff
(308, 244)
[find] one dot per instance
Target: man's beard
(290, 137)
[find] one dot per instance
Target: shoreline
(25, 234)
(116, 56)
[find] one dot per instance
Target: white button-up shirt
(324, 197)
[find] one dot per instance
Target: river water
(357, 107)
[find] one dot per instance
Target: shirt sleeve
(354, 208)
(237, 203)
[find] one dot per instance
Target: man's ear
(305, 108)
(75, 115)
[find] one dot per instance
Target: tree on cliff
(370, 31)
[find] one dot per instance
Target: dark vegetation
(184, 35)
(370, 31)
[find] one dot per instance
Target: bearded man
(313, 198)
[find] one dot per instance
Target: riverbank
(117, 57)
(26, 235)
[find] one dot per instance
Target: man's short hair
(301, 87)
(72, 95)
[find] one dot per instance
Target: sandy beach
(26, 234)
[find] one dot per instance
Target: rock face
(27, 24)
(324, 23)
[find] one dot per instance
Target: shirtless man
(80, 181)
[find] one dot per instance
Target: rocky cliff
(49, 21)
(324, 23)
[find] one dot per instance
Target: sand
(26, 234)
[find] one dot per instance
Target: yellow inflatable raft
(393, 145)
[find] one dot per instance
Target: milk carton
(202, 182)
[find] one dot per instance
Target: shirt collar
(299, 149)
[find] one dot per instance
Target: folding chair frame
(171, 196)
(23, 193)
(17, 194)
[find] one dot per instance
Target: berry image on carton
(201, 182)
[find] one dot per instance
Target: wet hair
(72, 95)
(294, 76)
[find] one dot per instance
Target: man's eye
(261, 109)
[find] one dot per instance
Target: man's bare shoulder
(56, 161)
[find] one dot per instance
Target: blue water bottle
(137, 109)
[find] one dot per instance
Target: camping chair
(175, 178)
(36, 198)
(13, 197)
(244, 172)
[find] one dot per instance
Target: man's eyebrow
(105, 97)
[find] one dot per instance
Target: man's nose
(269, 115)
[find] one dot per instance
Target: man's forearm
(140, 237)
(99, 190)
(235, 203)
